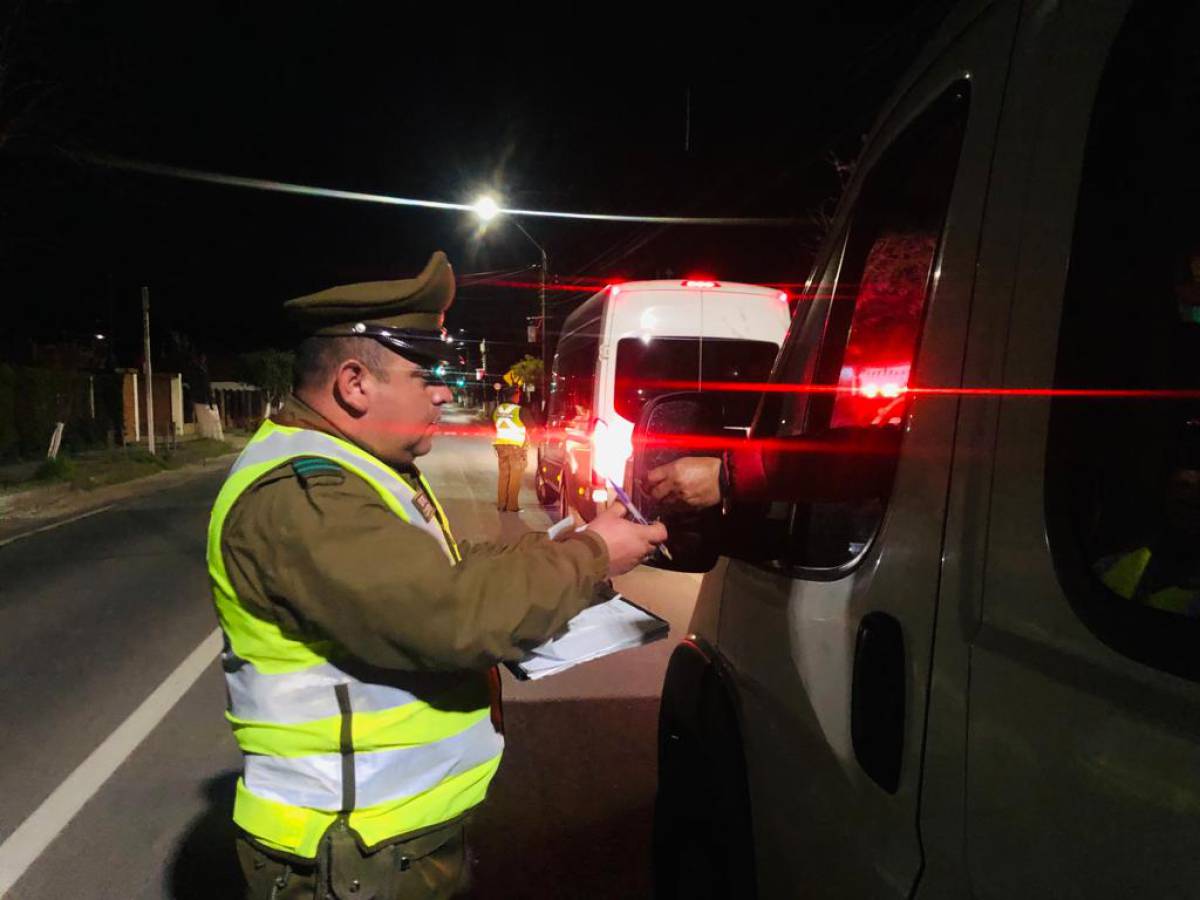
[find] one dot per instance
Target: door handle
(877, 699)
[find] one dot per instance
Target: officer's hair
(318, 358)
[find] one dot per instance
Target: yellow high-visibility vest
(510, 430)
(392, 751)
(1123, 575)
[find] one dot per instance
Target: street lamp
(486, 208)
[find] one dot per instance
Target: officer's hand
(692, 482)
(628, 542)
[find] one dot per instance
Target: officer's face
(404, 411)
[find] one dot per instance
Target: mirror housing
(673, 426)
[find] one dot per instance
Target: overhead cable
(284, 187)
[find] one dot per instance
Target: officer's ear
(350, 387)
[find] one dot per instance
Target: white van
(970, 665)
(634, 341)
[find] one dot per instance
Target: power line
(284, 187)
(472, 278)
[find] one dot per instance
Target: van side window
(1123, 460)
(851, 352)
(575, 377)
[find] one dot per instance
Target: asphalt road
(99, 617)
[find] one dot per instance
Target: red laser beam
(763, 387)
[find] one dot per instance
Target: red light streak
(693, 442)
(701, 443)
(467, 431)
(790, 289)
(763, 387)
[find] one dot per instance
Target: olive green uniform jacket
(323, 557)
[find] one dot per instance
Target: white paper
(598, 631)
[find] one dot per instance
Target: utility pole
(545, 329)
(541, 300)
(148, 371)
(687, 119)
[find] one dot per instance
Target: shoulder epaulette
(309, 467)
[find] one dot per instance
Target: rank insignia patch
(422, 503)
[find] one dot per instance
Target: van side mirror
(673, 426)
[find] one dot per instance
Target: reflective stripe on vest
(394, 751)
(510, 430)
(281, 444)
(302, 696)
(315, 781)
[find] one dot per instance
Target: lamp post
(487, 209)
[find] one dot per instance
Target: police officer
(511, 439)
(359, 635)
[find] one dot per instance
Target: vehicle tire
(703, 842)
(563, 509)
(547, 493)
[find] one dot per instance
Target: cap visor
(424, 350)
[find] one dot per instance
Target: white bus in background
(631, 342)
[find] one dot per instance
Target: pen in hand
(635, 513)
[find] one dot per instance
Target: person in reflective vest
(510, 440)
(1132, 576)
(1165, 572)
(360, 636)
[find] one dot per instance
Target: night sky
(579, 112)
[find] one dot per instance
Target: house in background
(171, 417)
(239, 405)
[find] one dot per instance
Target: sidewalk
(31, 506)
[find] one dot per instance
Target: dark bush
(58, 469)
(9, 438)
(33, 400)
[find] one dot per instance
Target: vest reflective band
(393, 751)
(1123, 576)
(510, 430)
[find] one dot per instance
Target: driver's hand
(692, 482)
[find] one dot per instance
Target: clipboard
(600, 630)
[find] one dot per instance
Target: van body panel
(740, 314)
(943, 810)
(1083, 763)
(1039, 759)
(705, 620)
(564, 448)
(822, 825)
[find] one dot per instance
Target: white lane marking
(35, 834)
(32, 531)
